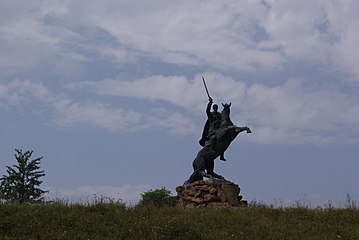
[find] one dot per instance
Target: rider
(212, 125)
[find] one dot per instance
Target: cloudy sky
(110, 94)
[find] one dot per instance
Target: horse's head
(226, 121)
(226, 108)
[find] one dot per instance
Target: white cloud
(343, 19)
(232, 35)
(28, 42)
(244, 35)
(289, 113)
(68, 112)
(292, 112)
(16, 92)
(127, 193)
(321, 32)
(240, 36)
(173, 122)
(190, 33)
(173, 33)
(177, 90)
(14, 10)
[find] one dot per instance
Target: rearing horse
(203, 164)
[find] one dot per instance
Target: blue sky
(110, 94)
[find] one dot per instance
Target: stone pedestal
(210, 194)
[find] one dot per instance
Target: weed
(107, 218)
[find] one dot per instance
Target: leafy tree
(157, 197)
(22, 180)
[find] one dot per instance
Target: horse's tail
(194, 165)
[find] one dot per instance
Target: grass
(113, 220)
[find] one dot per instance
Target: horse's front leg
(241, 129)
(248, 130)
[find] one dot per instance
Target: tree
(158, 197)
(21, 185)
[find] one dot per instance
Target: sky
(110, 93)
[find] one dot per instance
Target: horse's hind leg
(196, 175)
(201, 167)
(211, 173)
(215, 175)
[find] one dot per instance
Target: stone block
(208, 198)
(212, 193)
(197, 200)
(179, 189)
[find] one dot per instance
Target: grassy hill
(116, 221)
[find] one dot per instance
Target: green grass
(116, 221)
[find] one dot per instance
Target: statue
(221, 134)
(213, 123)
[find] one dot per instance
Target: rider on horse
(213, 123)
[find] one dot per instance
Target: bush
(157, 197)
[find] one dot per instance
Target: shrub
(157, 197)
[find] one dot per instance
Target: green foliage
(21, 183)
(157, 197)
(100, 220)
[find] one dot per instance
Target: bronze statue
(213, 123)
(218, 134)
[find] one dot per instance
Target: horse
(203, 164)
(225, 119)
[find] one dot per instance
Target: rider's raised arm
(208, 109)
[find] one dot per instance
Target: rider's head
(215, 107)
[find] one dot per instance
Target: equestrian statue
(218, 133)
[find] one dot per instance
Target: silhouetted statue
(203, 164)
(213, 123)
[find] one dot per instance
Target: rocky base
(210, 194)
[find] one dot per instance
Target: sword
(205, 86)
